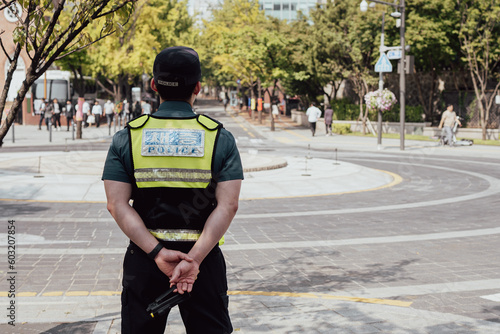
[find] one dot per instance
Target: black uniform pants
(205, 312)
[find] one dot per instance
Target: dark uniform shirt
(226, 164)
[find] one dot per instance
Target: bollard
(72, 129)
(13, 136)
(39, 166)
(308, 156)
(50, 132)
(336, 162)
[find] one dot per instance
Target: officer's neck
(190, 100)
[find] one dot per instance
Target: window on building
(277, 6)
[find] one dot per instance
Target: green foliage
(241, 43)
(344, 109)
(413, 114)
(153, 26)
(431, 32)
(341, 128)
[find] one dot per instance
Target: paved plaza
(333, 235)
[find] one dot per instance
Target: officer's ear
(153, 85)
(197, 88)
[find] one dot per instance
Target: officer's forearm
(215, 227)
(129, 221)
(132, 225)
(218, 222)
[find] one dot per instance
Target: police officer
(183, 172)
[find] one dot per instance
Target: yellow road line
(48, 201)
(26, 294)
(297, 134)
(53, 294)
(231, 293)
(322, 296)
(77, 293)
(242, 126)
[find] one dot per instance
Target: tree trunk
(259, 91)
(16, 106)
(8, 80)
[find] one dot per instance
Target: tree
(479, 36)
(51, 30)
(78, 63)
(431, 32)
(229, 43)
(154, 25)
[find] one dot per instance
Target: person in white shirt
(97, 112)
(86, 113)
(146, 108)
(109, 109)
(313, 114)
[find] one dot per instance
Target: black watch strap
(155, 251)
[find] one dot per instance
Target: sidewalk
(29, 135)
(288, 132)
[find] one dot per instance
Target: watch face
(12, 12)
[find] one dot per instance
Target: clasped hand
(181, 269)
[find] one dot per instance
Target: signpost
(394, 54)
(383, 64)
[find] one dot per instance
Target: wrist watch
(155, 251)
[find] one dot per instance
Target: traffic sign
(383, 64)
(394, 54)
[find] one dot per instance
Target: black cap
(177, 66)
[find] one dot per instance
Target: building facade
(9, 18)
(287, 9)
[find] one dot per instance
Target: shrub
(413, 114)
(341, 128)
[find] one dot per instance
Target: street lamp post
(402, 78)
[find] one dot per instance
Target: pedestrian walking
(275, 111)
(146, 108)
(313, 114)
(41, 112)
(119, 112)
(97, 112)
(226, 101)
(57, 115)
(126, 110)
(328, 120)
(48, 115)
(70, 113)
(109, 109)
(86, 113)
(137, 109)
(184, 172)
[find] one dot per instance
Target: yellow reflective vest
(173, 152)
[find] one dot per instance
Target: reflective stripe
(180, 235)
(172, 174)
(176, 235)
